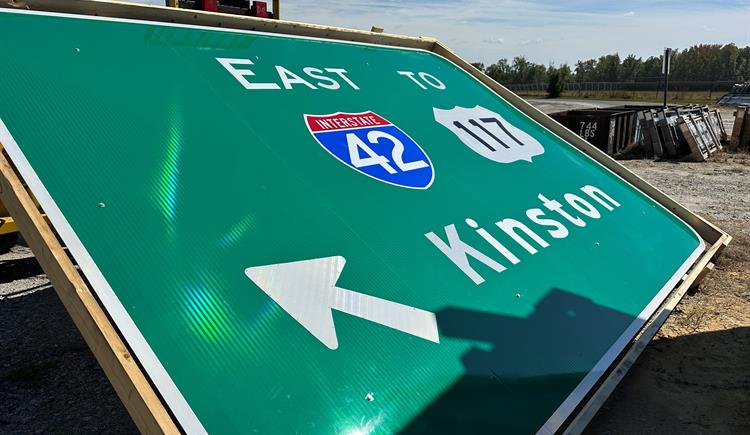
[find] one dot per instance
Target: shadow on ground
(693, 384)
(49, 380)
(19, 268)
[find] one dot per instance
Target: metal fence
(710, 87)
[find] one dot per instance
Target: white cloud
(629, 14)
(531, 41)
(542, 31)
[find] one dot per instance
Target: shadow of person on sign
(522, 368)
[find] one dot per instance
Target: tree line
(703, 62)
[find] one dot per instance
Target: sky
(544, 31)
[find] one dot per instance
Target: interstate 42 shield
(373, 146)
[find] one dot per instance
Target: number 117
(479, 125)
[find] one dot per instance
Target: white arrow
(307, 291)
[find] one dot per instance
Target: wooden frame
(127, 377)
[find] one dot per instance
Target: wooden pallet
(698, 151)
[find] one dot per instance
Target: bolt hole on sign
(381, 224)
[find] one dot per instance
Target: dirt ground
(693, 378)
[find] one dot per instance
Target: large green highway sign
(298, 235)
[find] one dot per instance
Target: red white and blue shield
(371, 145)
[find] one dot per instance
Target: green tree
(500, 71)
(557, 79)
(631, 68)
(521, 70)
(584, 71)
(728, 56)
(608, 68)
(742, 70)
(701, 62)
(652, 67)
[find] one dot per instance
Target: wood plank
(719, 122)
(709, 267)
(744, 142)
(739, 118)
(123, 372)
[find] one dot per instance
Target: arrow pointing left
(307, 291)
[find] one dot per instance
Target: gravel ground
(694, 377)
(551, 105)
(719, 188)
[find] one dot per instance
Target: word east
(309, 77)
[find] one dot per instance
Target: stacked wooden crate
(685, 132)
(691, 132)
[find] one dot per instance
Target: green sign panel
(305, 236)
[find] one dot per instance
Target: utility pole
(665, 64)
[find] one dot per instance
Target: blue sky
(543, 31)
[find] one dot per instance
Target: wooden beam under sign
(123, 372)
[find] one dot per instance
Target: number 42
(356, 144)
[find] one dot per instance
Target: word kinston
(458, 251)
